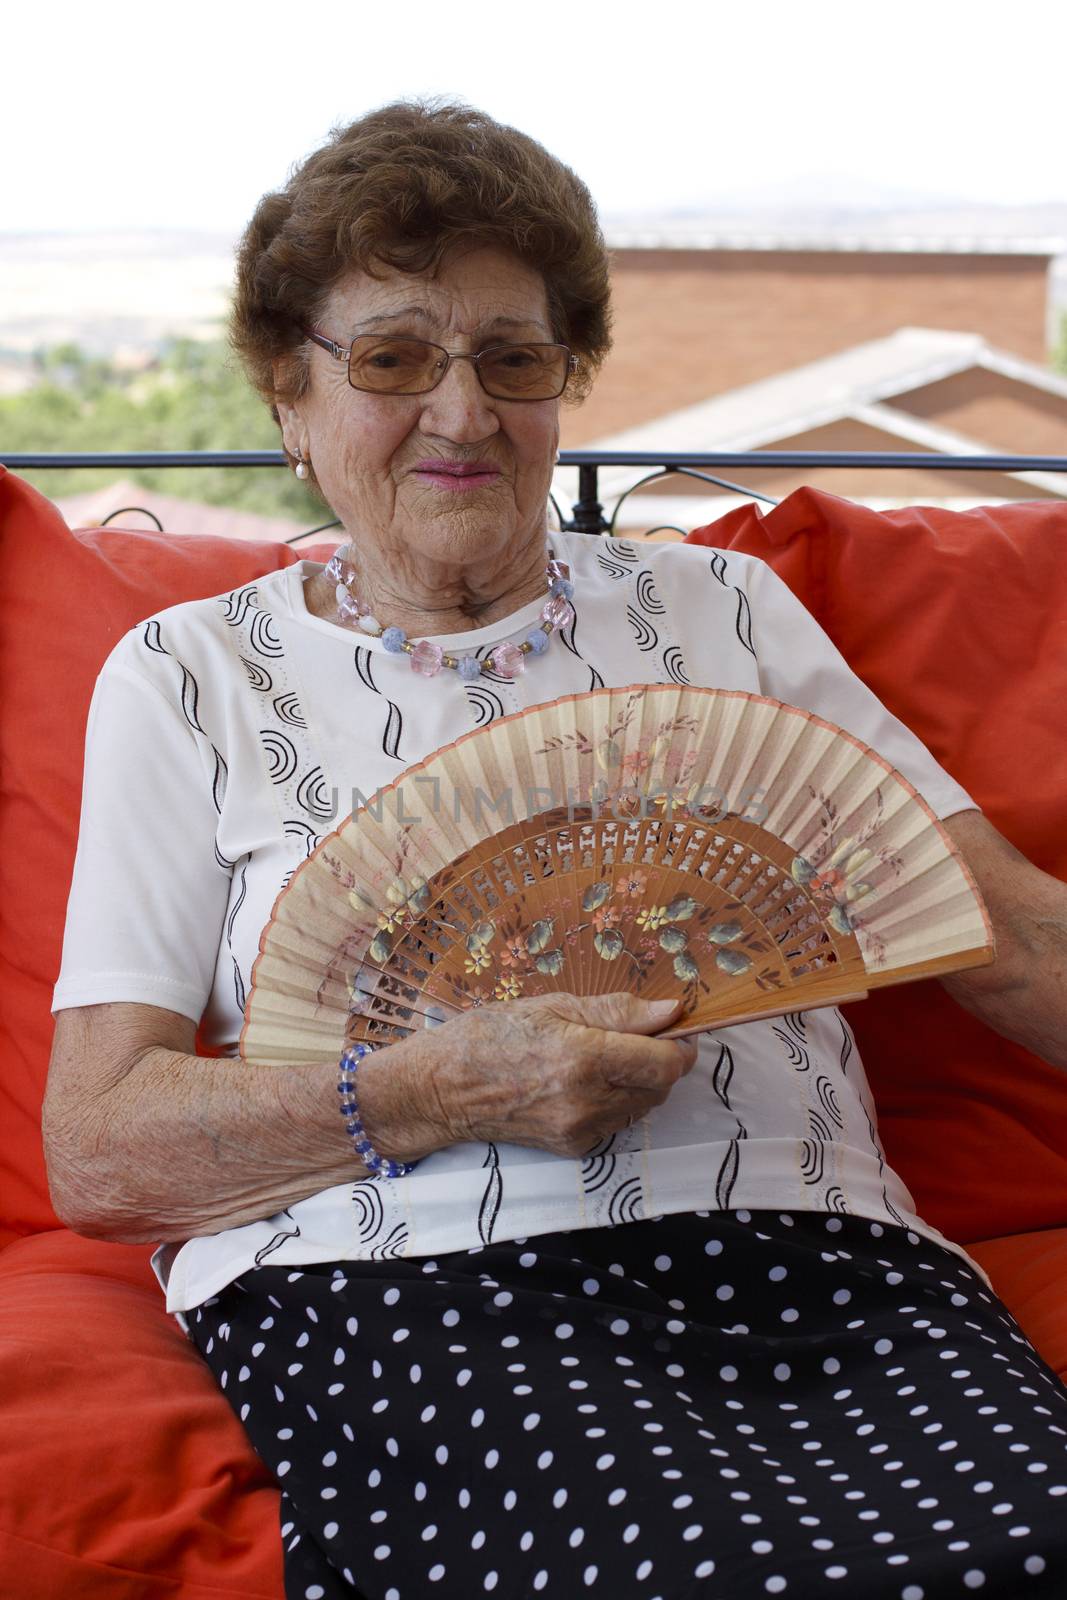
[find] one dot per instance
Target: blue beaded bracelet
(381, 1166)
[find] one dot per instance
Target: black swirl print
(645, 635)
(790, 1030)
(258, 676)
(722, 1074)
(279, 1239)
(280, 753)
(264, 635)
(394, 721)
(627, 1203)
(287, 708)
(489, 1206)
(485, 704)
(237, 605)
(743, 615)
(569, 635)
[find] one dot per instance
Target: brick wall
(694, 323)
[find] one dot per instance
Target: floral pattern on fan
(756, 860)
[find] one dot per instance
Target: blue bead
(538, 642)
(394, 639)
(470, 668)
(563, 587)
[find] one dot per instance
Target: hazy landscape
(122, 294)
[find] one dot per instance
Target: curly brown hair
(401, 187)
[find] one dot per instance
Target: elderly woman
(588, 1311)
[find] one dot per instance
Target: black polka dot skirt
(720, 1406)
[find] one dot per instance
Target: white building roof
(857, 384)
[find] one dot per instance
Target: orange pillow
(124, 1471)
(958, 622)
(65, 599)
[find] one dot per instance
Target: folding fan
(709, 845)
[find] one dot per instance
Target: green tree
(194, 397)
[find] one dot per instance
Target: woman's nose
(459, 408)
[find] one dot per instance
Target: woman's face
(381, 460)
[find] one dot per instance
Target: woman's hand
(557, 1072)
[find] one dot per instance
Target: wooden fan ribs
(707, 844)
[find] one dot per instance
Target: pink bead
(558, 569)
(557, 611)
(426, 658)
(348, 609)
(509, 660)
(339, 571)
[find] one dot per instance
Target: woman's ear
(294, 432)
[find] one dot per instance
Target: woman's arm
(146, 1141)
(1023, 994)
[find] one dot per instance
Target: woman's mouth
(459, 477)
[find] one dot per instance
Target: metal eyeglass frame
(339, 353)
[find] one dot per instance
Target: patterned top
(227, 736)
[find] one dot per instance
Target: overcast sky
(123, 115)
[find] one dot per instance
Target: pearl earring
(301, 466)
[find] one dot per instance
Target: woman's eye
(519, 357)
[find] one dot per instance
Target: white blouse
(227, 736)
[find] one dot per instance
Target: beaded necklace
(507, 659)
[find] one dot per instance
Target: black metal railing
(587, 513)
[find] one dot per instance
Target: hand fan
(716, 846)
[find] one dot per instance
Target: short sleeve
(148, 896)
(800, 665)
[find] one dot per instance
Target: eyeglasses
(395, 364)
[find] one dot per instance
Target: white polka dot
(704, 1570)
(282, 1468)
(776, 1274)
(576, 1537)
(490, 1580)
(563, 1330)
(837, 1572)
(725, 1291)
(590, 1286)
(616, 1497)
(974, 1579)
(790, 1314)
(1034, 1565)
(545, 1459)
(391, 1296)
(694, 1530)
(783, 1371)
(775, 1585)
(589, 1576)
(314, 1591)
(619, 1326)
(644, 1569)
(713, 1247)
(911, 1591)
(762, 1547)
(540, 1579)
(842, 1297)
(504, 1298)
(629, 1534)
(382, 1552)
(831, 1365)
(882, 1347)
(436, 1573)
(728, 1374)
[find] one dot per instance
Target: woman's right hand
(557, 1072)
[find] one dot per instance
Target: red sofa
(123, 1473)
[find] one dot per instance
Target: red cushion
(65, 599)
(125, 1473)
(958, 622)
(1029, 1272)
